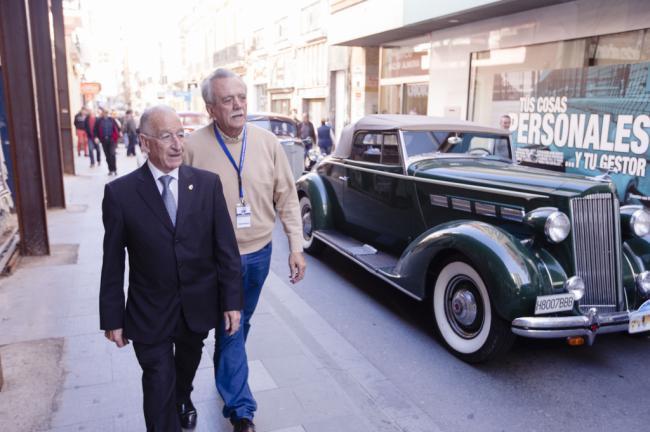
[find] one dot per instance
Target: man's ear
(208, 108)
(144, 143)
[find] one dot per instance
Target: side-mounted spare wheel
(310, 244)
(464, 318)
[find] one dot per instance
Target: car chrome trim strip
(439, 200)
(518, 194)
(485, 209)
(461, 204)
(377, 272)
(512, 213)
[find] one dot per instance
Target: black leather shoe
(244, 425)
(187, 415)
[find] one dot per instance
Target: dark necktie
(168, 198)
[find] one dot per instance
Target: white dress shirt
(173, 185)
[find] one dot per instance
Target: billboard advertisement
(592, 121)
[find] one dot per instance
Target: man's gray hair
(206, 84)
(146, 120)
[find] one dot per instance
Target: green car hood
(505, 175)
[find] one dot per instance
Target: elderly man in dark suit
(184, 268)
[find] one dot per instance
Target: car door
(379, 201)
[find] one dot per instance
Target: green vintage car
(438, 209)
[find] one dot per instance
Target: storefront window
(404, 77)
(416, 98)
(391, 99)
(578, 106)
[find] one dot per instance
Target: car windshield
(278, 127)
(426, 144)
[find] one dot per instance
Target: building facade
(573, 76)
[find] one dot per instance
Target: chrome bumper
(588, 325)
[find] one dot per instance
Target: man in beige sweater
(257, 183)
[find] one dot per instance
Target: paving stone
(291, 429)
(85, 371)
(292, 370)
(98, 425)
(259, 378)
(347, 423)
(277, 409)
(85, 404)
(316, 399)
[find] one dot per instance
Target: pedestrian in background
(93, 146)
(307, 132)
(325, 137)
(82, 137)
(129, 131)
(169, 218)
(107, 132)
(503, 147)
(258, 184)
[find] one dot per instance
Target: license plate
(554, 303)
(639, 321)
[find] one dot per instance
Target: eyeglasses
(168, 137)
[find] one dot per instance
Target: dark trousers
(92, 148)
(168, 369)
(133, 139)
(109, 151)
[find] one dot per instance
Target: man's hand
(297, 266)
(117, 337)
(231, 321)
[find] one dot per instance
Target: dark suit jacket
(195, 266)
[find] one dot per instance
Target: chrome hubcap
(306, 223)
(463, 307)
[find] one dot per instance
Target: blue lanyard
(239, 168)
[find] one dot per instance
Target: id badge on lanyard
(243, 209)
(243, 215)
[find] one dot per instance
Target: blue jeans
(230, 361)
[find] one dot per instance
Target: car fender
(313, 186)
(514, 274)
(636, 259)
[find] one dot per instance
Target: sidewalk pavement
(305, 376)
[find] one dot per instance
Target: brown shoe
(244, 425)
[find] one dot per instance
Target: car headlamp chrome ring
(557, 227)
(640, 222)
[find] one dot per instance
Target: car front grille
(596, 239)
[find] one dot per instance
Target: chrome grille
(596, 246)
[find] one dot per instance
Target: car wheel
(310, 243)
(463, 315)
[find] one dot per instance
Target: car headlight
(576, 286)
(640, 222)
(643, 282)
(557, 227)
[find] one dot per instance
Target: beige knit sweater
(267, 181)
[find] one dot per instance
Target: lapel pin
(190, 187)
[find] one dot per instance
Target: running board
(380, 263)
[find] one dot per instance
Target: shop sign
(588, 121)
(399, 63)
(90, 88)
